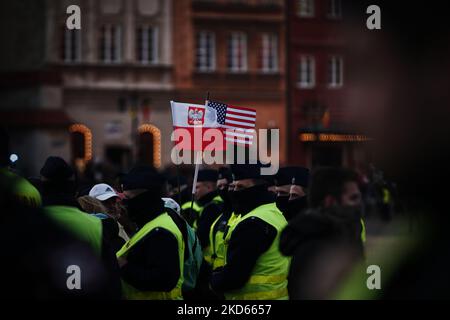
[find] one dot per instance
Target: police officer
(58, 195)
(254, 267)
(339, 188)
(190, 210)
(152, 260)
(211, 204)
(214, 255)
(291, 187)
(331, 225)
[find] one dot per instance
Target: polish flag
(196, 127)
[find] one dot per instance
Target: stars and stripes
(238, 122)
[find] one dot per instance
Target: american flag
(238, 122)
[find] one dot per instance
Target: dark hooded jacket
(310, 237)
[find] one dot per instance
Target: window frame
(269, 47)
(332, 13)
(308, 61)
(301, 10)
(332, 71)
(205, 64)
(237, 66)
(69, 55)
(147, 56)
(112, 45)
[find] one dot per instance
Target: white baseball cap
(169, 203)
(102, 192)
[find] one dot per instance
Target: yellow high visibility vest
(82, 225)
(215, 253)
(22, 189)
(163, 221)
(216, 199)
(268, 279)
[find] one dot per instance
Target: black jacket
(153, 262)
(211, 211)
(251, 238)
(311, 238)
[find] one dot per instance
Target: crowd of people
(241, 235)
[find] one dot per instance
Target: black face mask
(243, 201)
(225, 195)
(144, 207)
(290, 208)
(282, 203)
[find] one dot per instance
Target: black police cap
(248, 171)
(55, 168)
(225, 173)
(207, 175)
(173, 181)
(286, 175)
(143, 177)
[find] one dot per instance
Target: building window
(237, 52)
(306, 72)
(334, 9)
(71, 45)
(205, 51)
(335, 71)
(269, 63)
(305, 8)
(111, 43)
(147, 45)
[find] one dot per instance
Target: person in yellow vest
(291, 187)
(215, 254)
(152, 260)
(338, 187)
(58, 187)
(208, 198)
(47, 258)
(22, 189)
(254, 267)
(331, 225)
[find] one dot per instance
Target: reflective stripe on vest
(84, 226)
(216, 199)
(268, 278)
(216, 240)
(163, 221)
(386, 196)
(196, 208)
(187, 206)
(363, 231)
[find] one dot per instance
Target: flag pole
(197, 164)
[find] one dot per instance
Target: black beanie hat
(56, 169)
(209, 175)
(225, 173)
(143, 177)
(285, 175)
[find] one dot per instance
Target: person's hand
(122, 261)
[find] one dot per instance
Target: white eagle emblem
(195, 116)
